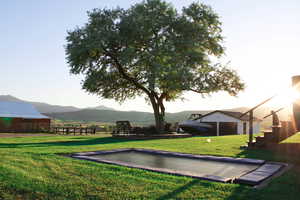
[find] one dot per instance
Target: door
(244, 128)
(228, 128)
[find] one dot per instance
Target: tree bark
(159, 113)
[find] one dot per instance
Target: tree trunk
(159, 114)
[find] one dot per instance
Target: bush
(148, 130)
(168, 127)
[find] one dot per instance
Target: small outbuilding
(22, 117)
(229, 123)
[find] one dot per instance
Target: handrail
(274, 112)
(265, 101)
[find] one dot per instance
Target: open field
(30, 168)
(5, 135)
(14, 135)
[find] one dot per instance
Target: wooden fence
(73, 130)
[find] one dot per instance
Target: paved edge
(262, 173)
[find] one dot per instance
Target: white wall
(256, 127)
(220, 117)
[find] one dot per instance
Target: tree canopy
(151, 49)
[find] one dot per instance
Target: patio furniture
(123, 128)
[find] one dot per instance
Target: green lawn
(294, 139)
(30, 168)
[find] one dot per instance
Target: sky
(261, 39)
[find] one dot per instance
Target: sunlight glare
(287, 97)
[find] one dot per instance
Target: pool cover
(222, 169)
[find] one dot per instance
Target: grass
(294, 139)
(30, 168)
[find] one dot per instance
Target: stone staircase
(276, 135)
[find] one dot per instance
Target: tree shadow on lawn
(286, 186)
(93, 141)
(263, 154)
(240, 192)
(179, 190)
(278, 187)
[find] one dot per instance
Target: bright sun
(286, 98)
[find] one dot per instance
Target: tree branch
(125, 75)
(197, 91)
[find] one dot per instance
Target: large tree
(153, 50)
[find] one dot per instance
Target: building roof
(19, 110)
(232, 114)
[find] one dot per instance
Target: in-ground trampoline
(221, 169)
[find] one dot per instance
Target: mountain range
(146, 118)
(110, 115)
(48, 108)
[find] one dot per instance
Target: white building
(229, 123)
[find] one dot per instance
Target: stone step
(260, 141)
(259, 138)
(270, 137)
(267, 133)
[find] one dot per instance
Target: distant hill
(147, 118)
(48, 108)
(101, 107)
(41, 107)
(9, 98)
(106, 114)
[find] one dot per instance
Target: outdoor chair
(123, 128)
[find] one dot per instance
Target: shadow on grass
(174, 193)
(244, 192)
(286, 152)
(282, 152)
(94, 141)
(240, 192)
(263, 154)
